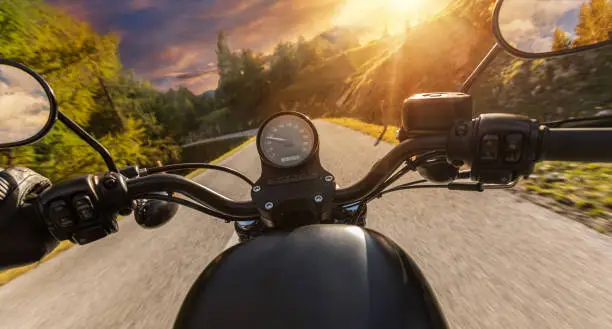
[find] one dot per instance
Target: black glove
(24, 237)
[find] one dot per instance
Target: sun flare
(378, 16)
(404, 6)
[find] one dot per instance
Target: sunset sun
(403, 6)
(382, 15)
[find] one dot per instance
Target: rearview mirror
(545, 28)
(27, 105)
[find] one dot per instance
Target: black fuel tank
(315, 277)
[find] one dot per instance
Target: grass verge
(8, 275)
(582, 191)
(367, 128)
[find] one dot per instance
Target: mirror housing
(519, 36)
(28, 108)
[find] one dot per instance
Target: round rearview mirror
(545, 28)
(27, 105)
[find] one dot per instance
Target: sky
(166, 40)
(24, 103)
(529, 25)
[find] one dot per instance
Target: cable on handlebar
(384, 167)
(409, 187)
(189, 204)
(183, 166)
(169, 182)
(411, 165)
(477, 187)
(462, 175)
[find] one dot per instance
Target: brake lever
(500, 186)
(478, 187)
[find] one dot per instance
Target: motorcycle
(306, 259)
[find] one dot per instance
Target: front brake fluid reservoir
(434, 113)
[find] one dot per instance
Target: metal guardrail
(246, 133)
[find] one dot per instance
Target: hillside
(317, 88)
(436, 56)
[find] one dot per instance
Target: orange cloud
(163, 37)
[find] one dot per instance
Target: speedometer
(287, 139)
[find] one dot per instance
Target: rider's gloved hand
(24, 238)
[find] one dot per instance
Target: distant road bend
(493, 260)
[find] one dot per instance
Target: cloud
(25, 106)
(141, 4)
(529, 25)
(163, 37)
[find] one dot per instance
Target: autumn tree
(594, 23)
(560, 40)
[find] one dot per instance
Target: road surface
(493, 260)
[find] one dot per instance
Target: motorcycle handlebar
(170, 182)
(577, 144)
(381, 170)
(385, 167)
(70, 209)
(555, 144)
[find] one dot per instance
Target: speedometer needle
(283, 141)
(276, 139)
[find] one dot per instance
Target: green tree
(306, 53)
(283, 66)
(84, 70)
(228, 65)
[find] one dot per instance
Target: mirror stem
(89, 139)
(491, 55)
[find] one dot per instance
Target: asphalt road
(493, 260)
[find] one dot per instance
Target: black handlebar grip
(577, 144)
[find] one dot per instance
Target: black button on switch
(59, 213)
(489, 148)
(84, 207)
(513, 147)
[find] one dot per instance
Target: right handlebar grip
(577, 144)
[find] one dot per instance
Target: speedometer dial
(287, 140)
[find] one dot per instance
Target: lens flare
(392, 16)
